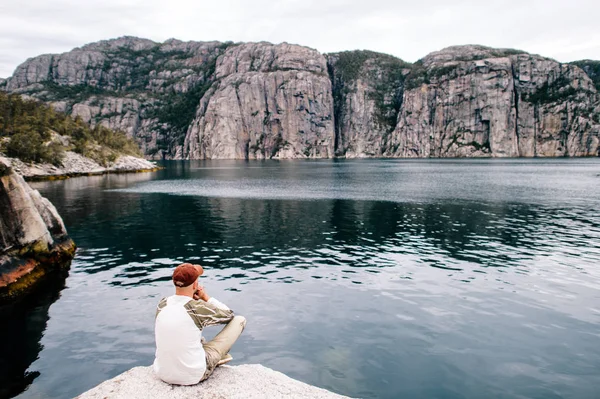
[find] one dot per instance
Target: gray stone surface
(24, 214)
(271, 101)
(77, 164)
(190, 100)
(480, 102)
(367, 89)
(33, 238)
(251, 381)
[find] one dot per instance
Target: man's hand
(201, 294)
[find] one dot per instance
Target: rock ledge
(77, 165)
(247, 381)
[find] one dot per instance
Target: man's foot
(225, 359)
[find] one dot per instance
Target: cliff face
(474, 101)
(258, 100)
(33, 238)
(367, 93)
(149, 90)
(268, 101)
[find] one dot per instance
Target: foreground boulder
(246, 381)
(33, 238)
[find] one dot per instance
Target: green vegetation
(418, 76)
(348, 64)
(592, 68)
(26, 128)
(388, 91)
(384, 71)
(128, 73)
(76, 93)
(177, 110)
(560, 89)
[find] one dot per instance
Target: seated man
(181, 357)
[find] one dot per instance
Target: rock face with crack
(211, 100)
(148, 90)
(269, 101)
(33, 238)
(473, 101)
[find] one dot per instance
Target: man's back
(180, 357)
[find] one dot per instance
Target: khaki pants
(220, 345)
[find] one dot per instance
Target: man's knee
(241, 320)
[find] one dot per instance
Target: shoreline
(76, 165)
(64, 176)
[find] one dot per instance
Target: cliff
(204, 100)
(268, 101)
(367, 89)
(476, 101)
(250, 381)
(33, 238)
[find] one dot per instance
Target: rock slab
(77, 165)
(33, 238)
(248, 381)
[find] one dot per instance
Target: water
(378, 278)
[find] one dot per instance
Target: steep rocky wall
(33, 238)
(472, 101)
(367, 94)
(269, 101)
(592, 69)
(149, 90)
(187, 100)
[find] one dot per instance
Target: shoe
(225, 359)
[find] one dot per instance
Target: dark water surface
(379, 278)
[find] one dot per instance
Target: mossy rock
(30, 267)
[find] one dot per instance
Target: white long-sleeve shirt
(180, 357)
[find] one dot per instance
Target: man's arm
(207, 311)
(161, 305)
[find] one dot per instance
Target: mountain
(212, 100)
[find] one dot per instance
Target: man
(181, 356)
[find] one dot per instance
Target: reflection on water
(449, 279)
(23, 325)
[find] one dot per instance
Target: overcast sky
(561, 29)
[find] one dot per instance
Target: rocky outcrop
(149, 90)
(592, 68)
(249, 381)
(269, 101)
(367, 93)
(74, 164)
(190, 100)
(33, 238)
(473, 101)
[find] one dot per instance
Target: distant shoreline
(76, 165)
(83, 174)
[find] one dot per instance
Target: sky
(560, 29)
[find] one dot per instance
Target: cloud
(408, 29)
